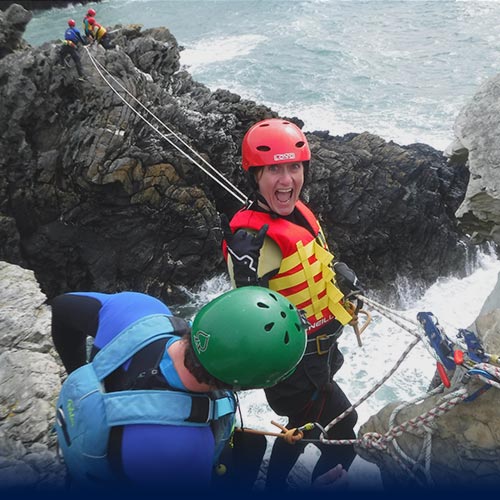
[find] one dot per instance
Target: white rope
(217, 176)
(367, 395)
(426, 450)
(395, 317)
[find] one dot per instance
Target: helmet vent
(287, 338)
(269, 327)
(300, 144)
(263, 305)
(263, 148)
(283, 314)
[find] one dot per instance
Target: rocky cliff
(91, 197)
(460, 449)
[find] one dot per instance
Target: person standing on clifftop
(86, 25)
(99, 34)
(72, 38)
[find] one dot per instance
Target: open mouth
(284, 195)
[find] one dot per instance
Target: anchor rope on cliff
(471, 363)
(211, 171)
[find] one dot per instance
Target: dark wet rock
(92, 198)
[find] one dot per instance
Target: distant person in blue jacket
(246, 338)
(72, 39)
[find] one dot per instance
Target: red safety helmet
(91, 13)
(274, 141)
(91, 21)
(71, 23)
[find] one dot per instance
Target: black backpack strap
(142, 372)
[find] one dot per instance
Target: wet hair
(196, 369)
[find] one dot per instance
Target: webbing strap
(164, 408)
(131, 340)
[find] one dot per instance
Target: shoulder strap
(153, 406)
(165, 407)
(131, 340)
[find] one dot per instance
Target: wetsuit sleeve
(74, 317)
(268, 264)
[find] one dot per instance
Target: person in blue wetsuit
(69, 47)
(213, 357)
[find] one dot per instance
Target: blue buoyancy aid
(85, 412)
(73, 35)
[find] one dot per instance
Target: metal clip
(319, 338)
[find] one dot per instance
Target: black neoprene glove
(347, 281)
(244, 249)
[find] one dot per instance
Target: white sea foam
(218, 50)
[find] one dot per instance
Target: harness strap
(131, 340)
(321, 344)
(164, 408)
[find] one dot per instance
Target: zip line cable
(216, 176)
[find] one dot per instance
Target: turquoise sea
(401, 69)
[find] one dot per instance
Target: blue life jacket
(73, 35)
(85, 413)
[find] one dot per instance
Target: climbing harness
(213, 173)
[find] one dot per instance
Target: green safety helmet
(250, 337)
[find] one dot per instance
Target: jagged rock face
(92, 198)
(29, 384)
(377, 197)
(12, 25)
(477, 129)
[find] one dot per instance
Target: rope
(395, 317)
(368, 394)
(216, 175)
(426, 450)
(291, 436)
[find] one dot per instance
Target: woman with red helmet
(276, 241)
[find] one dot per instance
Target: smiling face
(281, 185)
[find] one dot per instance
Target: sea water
(400, 69)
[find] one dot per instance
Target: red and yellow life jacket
(305, 276)
(98, 31)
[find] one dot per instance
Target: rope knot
(291, 436)
(373, 440)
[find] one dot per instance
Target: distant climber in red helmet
(99, 34)
(72, 39)
(86, 26)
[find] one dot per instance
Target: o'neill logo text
(284, 156)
